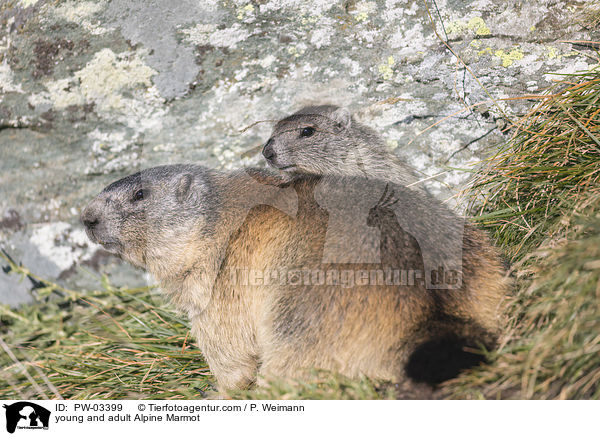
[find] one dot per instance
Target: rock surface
(93, 90)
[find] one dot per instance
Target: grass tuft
(540, 199)
(545, 171)
(112, 343)
(320, 385)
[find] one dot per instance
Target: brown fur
(192, 239)
(338, 145)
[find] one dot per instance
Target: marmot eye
(139, 195)
(306, 132)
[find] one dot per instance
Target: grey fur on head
(122, 216)
(326, 139)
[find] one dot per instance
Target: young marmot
(326, 140)
(242, 254)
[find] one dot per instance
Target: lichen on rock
(101, 88)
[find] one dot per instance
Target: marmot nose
(89, 219)
(268, 151)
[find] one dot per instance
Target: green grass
(110, 343)
(540, 199)
(545, 171)
(320, 385)
(551, 347)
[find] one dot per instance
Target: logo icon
(26, 415)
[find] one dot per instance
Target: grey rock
(14, 290)
(93, 90)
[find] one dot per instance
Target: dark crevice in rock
(468, 144)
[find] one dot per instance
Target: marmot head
(317, 140)
(149, 218)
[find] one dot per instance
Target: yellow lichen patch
(456, 27)
(62, 94)
(296, 51)
(363, 9)
(81, 13)
(245, 11)
(509, 57)
(478, 25)
(551, 52)
(27, 3)
(392, 144)
(7, 80)
(107, 73)
(307, 21)
(101, 80)
(386, 69)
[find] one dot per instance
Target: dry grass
(545, 171)
(540, 198)
(106, 344)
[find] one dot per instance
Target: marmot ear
(342, 117)
(183, 186)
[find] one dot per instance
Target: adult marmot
(242, 254)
